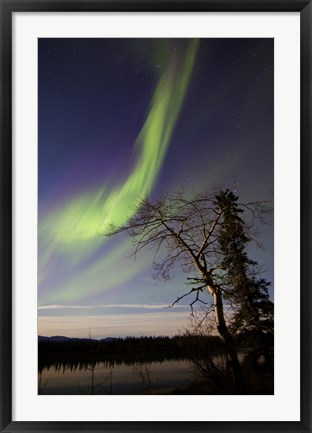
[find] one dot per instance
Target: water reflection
(115, 376)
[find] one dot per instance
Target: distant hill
(61, 338)
(57, 338)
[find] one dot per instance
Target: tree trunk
(230, 349)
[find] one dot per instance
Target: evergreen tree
(249, 295)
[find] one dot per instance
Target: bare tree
(186, 231)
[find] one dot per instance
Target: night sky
(120, 119)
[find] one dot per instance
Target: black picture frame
(8, 7)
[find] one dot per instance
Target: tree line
(127, 350)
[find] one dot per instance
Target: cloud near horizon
(114, 325)
(82, 307)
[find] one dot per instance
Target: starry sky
(120, 119)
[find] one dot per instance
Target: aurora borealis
(120, 119)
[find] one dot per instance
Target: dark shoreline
(116, 351)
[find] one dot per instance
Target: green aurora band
(73, 229)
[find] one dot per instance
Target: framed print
(155, 224)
